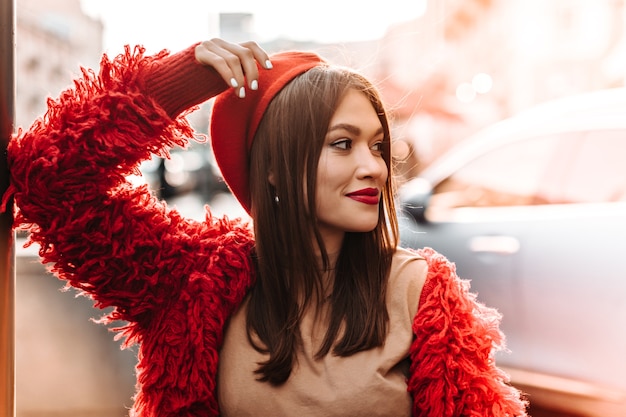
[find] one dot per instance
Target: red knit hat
(234, 120)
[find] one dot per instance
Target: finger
(259, 54)
(243, 66)
(236, 63)
(249, 54)
(210, 54)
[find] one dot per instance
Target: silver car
(532, 210)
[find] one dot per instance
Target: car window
(596, 173)
(568, 168)
(510, 175)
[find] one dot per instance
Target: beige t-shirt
(371, 383)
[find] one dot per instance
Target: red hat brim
(234, 120)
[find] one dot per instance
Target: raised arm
(68, 174)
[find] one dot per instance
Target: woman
(315, 312)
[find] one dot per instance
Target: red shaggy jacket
(176, 281)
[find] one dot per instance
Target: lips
(366, 196)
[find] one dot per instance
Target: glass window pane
(598, 173)
(510, 175)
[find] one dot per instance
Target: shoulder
(407, 277)
(446, 301)
(441, 274)
(404, 256)
(453, 370)
(435, 274)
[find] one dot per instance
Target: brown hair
(288, 144)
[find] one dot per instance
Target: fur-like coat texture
(175, 281)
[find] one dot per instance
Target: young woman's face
(351, 172)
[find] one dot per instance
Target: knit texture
(174, 282)
(234, 121)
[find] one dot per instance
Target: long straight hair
(288, 145)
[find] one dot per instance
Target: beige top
(371, 383)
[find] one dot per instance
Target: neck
(333, 248)
(332, 244)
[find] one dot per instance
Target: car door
(573, 277)
(479, 217)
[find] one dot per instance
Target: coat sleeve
(69, 179)
(453, 371)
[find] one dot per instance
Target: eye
(378, 147)
(343, 144)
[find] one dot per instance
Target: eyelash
(376, 147)
(343, 144)
(379, 146)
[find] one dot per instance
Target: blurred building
(65, 364)
(54, 38)
(236, 27)
(465, 64)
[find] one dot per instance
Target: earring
(276, 199)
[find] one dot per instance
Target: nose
(370, 164)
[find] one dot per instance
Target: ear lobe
(271, 178)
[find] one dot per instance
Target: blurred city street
(66, 365)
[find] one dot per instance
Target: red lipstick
(366, 195)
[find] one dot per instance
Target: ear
(271, 178)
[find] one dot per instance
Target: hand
(236, 63)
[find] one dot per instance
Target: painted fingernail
(234, 83)
(242, 92)
(268, 64)
(254, 85)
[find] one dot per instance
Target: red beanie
(234, 120)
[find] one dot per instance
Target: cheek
(323, 186)
(331, 176)
(332, 173)
(323, 167)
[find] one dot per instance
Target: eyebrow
(355, 130)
